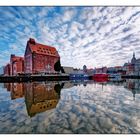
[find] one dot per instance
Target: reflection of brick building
(17, 90)
(7, 69)
(16, 65)
(7, 86)
(40, 97)
(40, 58)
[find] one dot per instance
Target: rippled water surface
(70, 107)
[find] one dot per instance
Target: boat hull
(100, 77)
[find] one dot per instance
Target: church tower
(133, 60)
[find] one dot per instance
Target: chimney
(32, 41)
(12, 55)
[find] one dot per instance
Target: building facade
(16, 65)
(1, 70)
(68, 70)
(133, 67)
(40, 58)
(7, 70)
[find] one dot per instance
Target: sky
(91, 36)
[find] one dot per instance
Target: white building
(1, 70)
(68, 70)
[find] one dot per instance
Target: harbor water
(65, 107)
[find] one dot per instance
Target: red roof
(118, 66)
(42, 49)
(16, 58)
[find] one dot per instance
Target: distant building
(16, 65)
(1, 70)
(133, 67)
(78, 71)
(68, 70)
(137, 67)
(90, 72)
(85, 68)
(7, 70)
(129, 68)
(40, 58)
(101, 70)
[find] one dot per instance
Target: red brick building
(39, 57)
(7, 69)
(16, 65)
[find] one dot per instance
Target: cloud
(98, 36)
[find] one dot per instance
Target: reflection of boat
(40, 97)
(79, 76)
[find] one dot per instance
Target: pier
(26, 78)
(131, 76)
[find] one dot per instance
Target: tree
(58, 67)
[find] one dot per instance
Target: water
(70, 107)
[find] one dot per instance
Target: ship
(79, 77)
(100, 77)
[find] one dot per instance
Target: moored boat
(115, 77)
(100, 77)
(79, 76)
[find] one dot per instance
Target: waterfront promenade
(25, 78)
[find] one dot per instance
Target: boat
(115, 77)
(100, 77)
(79, 77)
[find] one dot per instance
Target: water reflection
(133, 85)
(40, 97)
(71, 107)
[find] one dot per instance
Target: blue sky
(95, 36)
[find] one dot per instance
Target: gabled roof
(42, 49)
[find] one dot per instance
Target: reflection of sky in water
(94, 108)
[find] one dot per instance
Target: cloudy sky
(95, 36)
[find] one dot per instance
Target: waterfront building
(1, 70)
(7, 70)
(133, 67)
(137, 67)
(68, 70)
(40, 58)
(128, 68)
(85, 68)
(101, 70)
(90, 71)
(16, 65)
